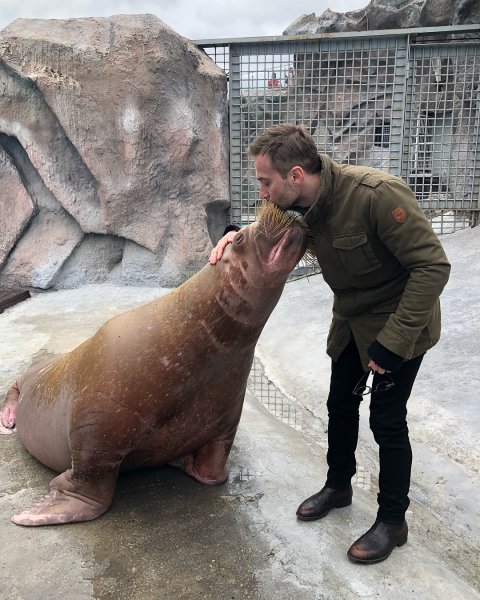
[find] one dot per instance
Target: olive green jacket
(381, 258)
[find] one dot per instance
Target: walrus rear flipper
(70, 501)
(8, 411)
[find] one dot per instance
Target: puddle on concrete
(167, 536)
(245, 475)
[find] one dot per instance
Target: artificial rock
(113, 136)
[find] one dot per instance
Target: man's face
(273, 186)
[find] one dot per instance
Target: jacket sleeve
(383, 357)
(403, 228)
(231, 227)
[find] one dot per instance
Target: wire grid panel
(349, 93)
(220, 54)
(406, 103)
(272, 398)
(441, 150)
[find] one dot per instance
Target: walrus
(162, 384)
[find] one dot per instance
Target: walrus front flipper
(208, 464)
(70, 501)
(8, 410)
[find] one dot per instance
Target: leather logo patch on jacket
(399, 214)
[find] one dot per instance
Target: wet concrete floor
(168, 537)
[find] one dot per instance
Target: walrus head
(254, 267)
(269, 248)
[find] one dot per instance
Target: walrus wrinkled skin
(160, 384)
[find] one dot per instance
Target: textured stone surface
(16, 206)
(389, 14)
(41, 251)
(122, 124)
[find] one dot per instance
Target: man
(386, 268)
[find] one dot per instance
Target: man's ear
(297, 174)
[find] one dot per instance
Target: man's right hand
(219, 249)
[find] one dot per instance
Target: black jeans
(388, 422)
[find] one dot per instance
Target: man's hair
(287, 146)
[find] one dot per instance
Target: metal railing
(406, 101)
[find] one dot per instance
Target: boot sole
(325, 513)
(372, 561)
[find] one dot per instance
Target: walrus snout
(289, 249)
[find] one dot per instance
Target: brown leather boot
(379, 541)
(318, 505)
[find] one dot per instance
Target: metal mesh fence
(404, 101)
(442, 127)
(272, 398)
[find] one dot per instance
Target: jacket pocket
(355, 253)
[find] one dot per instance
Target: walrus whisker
(277, 221)
(274, 220)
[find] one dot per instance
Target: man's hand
(376, 368)
(219, 249)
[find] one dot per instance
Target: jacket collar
(320, 210)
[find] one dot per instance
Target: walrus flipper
(208, 464)
(70, 501)
(8, 410)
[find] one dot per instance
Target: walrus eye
(238, 239)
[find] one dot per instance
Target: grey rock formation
(113, 153)
(389, 14)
